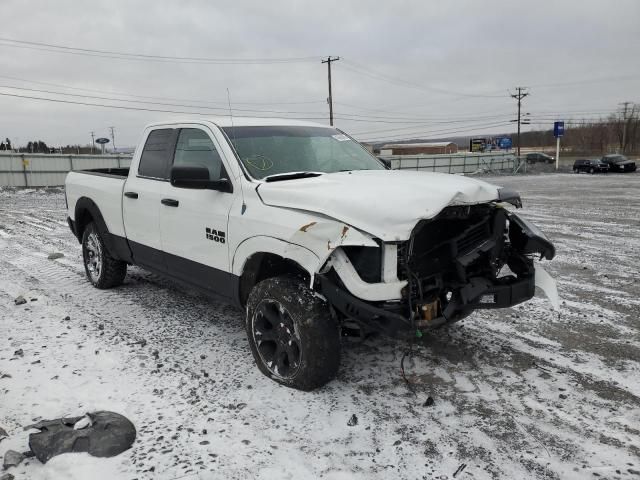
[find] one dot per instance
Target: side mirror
(197, 178)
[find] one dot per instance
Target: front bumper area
(393, 318)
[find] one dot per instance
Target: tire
(102, 270)
(592, 171)
(302, 349)
(575, 170)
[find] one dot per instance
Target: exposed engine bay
(466, 258)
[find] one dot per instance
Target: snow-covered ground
(517, 393)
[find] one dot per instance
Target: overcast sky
(407, 69)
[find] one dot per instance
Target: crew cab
(300, 226)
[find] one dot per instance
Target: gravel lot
(526, 392)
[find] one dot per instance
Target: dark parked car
(590, 166)
(539, 157)
(619, 163)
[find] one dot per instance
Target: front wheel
(592, 171)
(292, 335)
(102, 270)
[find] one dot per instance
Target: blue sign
(558, 129)
(505, 143)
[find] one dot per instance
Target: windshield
(616, 158)
(272, 150)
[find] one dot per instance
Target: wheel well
(83, 218)
(261, 266)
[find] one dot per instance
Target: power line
(449, 131)
(70, 87)
(221, 110)
(122, 107)
(357, 68)
(9, 42)
(413, 127)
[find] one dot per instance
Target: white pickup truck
(307, 231)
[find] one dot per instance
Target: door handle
(131, 194)
(169, 202)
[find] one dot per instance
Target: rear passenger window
(157, 154)
(195, 149)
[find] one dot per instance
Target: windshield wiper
(291, 176)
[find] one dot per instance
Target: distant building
(426, 148)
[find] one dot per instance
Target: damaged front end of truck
(467, 257)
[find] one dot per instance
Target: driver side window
(195, 148)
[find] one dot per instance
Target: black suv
(540, 157)
(619, 163)
(590, 166)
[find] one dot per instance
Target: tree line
(619, 133)
(39, 146)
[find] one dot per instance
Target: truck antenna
(233, 130)
(233, 142)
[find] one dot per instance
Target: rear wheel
(293, 338)
(102, 270)
(575, 170)
(592, 171)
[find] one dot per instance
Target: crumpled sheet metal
(108, 435)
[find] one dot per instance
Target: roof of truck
(241, 122)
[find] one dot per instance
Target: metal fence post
(70, 163)
(119, 166)
(24, 170)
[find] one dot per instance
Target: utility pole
(519, 96)
(624, 125)
(93, 141)
(330, 99)
(113, 138)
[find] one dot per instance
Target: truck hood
(384, 203)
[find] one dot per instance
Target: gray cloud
(463, 47)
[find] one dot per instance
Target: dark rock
(353, 421)
(19, 353)
(101, 327)
(429, 402)
(55, 256)
(20, 300)
(3, 433)
(7, 476)
(397, 442)
(204, 442)
(12, 459)
(563, 396)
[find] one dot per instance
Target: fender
(117, 247)
(262, 243)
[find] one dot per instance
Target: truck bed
(102, 187)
